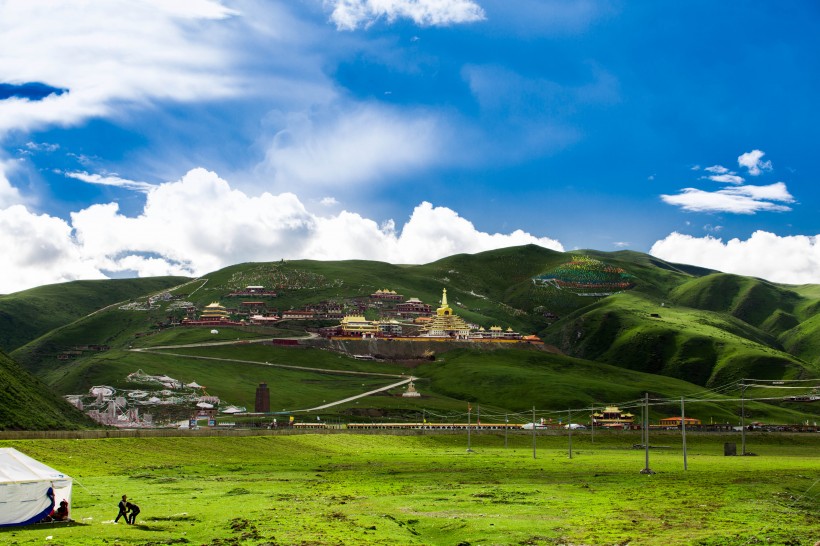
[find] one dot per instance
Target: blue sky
(141, 138)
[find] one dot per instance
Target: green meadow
(341, 488)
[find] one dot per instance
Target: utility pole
(533, 432)
(569, 426)
(592, 421)
(506, 428)
(469, 411)
(742, 418)
(646, 469)
(683, 431)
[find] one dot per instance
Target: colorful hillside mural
(586, 276)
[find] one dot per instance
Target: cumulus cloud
(738, 200)
(352, 14)
(754, 163)
(39, 249)
(199, 224)
(118, 51)
(111, 180)
(787, 259)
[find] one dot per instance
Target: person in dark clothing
(134, 511)
(61, 514)
(123, 510)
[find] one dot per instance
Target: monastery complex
(399, 318)
(443, 325)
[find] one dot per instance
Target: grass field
(317, 489)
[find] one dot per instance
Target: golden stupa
(445, 323)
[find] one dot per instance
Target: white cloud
(753, 162)
(621, 244)
(430, 233)
(37, 250)
(42, 146)
(9, 195)
(352, 14)
(336, 148)
(199, 224)
(118, 51)
(111, 180)
(772, 192)
(717, 169)
(787, 259)
(738, 200)
(728, 178)
(328, 201)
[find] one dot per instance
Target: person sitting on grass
(61, 514)
(134, 511)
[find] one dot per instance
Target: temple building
(414, 306)
(214, 311)
(357, 325)
(386, 294)
(389, 327)
(613, 417)
(676, 421)
(445, 323)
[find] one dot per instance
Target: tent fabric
(29, 489)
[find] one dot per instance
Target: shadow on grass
(41, 526)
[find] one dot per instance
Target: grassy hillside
(499, 380)
(703, 347)
(754, 301)
(671, 321)
(26, 403)
(27, 315)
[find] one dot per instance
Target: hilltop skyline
(143, 138)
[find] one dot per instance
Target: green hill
(26, 403)
(27, 315)
(754, 301)
(612, 315)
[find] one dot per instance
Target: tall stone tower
(262, 399)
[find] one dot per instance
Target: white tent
(29, 490)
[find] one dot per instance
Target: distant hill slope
(708, 330)
(26, 403)
(680, 321)
(27, 315)
(754, 301)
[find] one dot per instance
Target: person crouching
(133, 511)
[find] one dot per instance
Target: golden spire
(444, 310)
